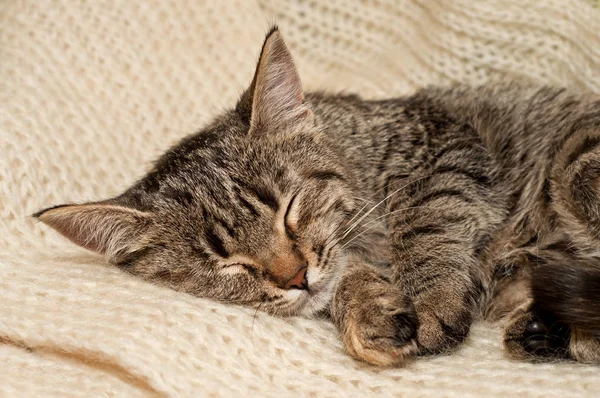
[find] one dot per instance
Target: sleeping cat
(403, 219)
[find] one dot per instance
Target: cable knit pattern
(92, 91)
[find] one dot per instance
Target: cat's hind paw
(530, 336)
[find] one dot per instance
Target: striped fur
(411, 216)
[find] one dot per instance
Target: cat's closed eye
(290, 221)
(240, 267)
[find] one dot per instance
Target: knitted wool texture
(92, 91)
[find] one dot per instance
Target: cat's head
(247, 211)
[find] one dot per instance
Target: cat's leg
(528, 332)
(444, 294)
(376, 320)
(436, 233)
(439, 221)
(531, 334)
(575, 192)
(555, 322)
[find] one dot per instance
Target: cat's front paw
(443, 325)
(381, 329)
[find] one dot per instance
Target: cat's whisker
(331, 236)
(394, 183)
(373, 221)
(361, 199)
(356, 237)
(376, 219)
(254, 317)
(356, 223)
(391, 213)
(336, 229)
(345, 223)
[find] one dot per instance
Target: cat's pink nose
(298, 281)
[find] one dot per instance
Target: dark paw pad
(541, 338)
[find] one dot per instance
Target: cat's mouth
(314, 299)
(321, 286)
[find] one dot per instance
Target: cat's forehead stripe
(325, 175)
(216, 243)
(264, 194)
(246, 204)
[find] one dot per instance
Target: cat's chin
(316, 304)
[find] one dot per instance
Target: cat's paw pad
(382, 332)
(533, 337)
(538, 340)
(528, 336)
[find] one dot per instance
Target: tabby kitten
(403, 219)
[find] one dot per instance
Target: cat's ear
(104, 227)
(275, 97)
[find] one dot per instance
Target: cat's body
(404, 219)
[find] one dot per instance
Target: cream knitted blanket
(92, 91)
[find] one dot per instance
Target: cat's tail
(570, 292)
